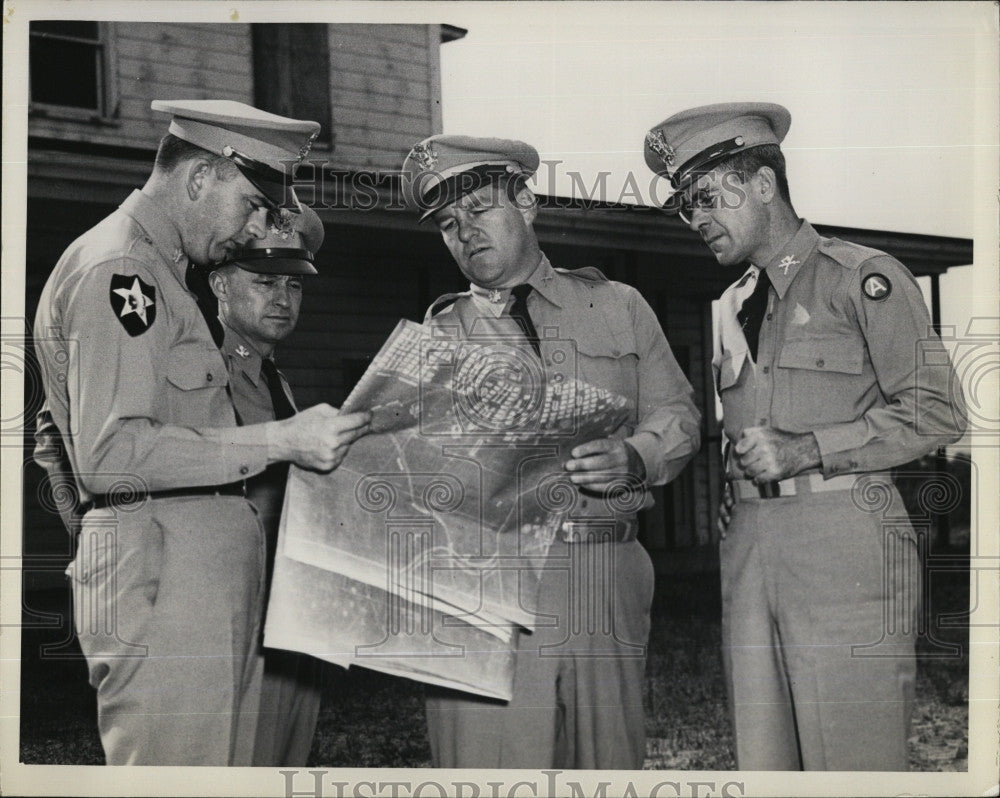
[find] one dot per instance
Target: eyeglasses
(705, 199)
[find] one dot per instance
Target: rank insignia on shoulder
(876, 286)
(134, 303)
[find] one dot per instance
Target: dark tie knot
(519, 312)
(279, 400)
(751, 313)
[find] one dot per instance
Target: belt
(107, 500)
(803, 483)
(599, 530)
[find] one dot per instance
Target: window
(291, 71)
(69, 64)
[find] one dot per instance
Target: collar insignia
(786, 263)
(178, 254)
(657, 142)
(424, 156)
(496, 296)
(242, 351)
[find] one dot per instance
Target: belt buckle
(769, 490)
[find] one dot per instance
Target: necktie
(279, 400)
(519, 312)
(197, 283)
(751, 314)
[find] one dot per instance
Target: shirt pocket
(609, 359)
(197, 379)
(842, 354)
(819, 381)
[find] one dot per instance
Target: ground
(371, 720)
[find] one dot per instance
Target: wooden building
(376, 90)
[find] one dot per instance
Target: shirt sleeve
(668, 432)
(50, 453)
(924, 406)
(115, 380)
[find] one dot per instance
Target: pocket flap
(192, 368)
(838, 353)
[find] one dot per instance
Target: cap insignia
(304, 149)
(424, 156)
(242, 351)
(657, 142)
(283, 224)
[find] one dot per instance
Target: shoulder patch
(847, 254)
(134, 303)
(876, 286)
(591, 274)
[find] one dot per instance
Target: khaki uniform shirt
(619, 346)
(847, 352)
(133, 381)
(252, 400)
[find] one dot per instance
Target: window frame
(107, 78)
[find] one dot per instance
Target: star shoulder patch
(876, 286)
(134, 303)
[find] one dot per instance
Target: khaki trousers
(819, 601)
(578, 680)
(167, 606)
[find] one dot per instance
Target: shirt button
(769, 316)
(762, 422)
(821, 362)
(767, 369)
(853, 464)
(244, 470)
(209, 376)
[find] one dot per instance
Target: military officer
(816, 363)
(259, 292)
(170, 556)
(577, 693)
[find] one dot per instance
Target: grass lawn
(371, 720)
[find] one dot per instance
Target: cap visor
(276, 266)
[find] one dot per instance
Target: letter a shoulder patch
(134, 303)
(876, 286)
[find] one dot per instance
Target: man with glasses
(819, 363)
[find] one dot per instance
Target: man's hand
(769, 455)
(725, 508)
(598, 464)
(318, 438)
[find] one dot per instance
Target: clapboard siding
(349, 102)
(384, 85)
